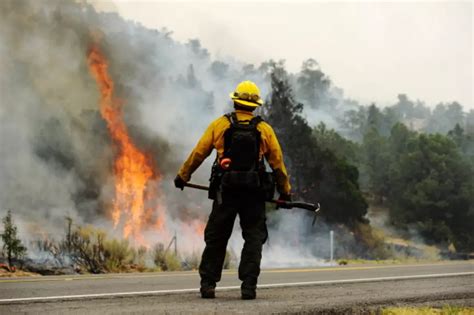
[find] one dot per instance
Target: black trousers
(251, 211)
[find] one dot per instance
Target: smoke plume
(57, 155)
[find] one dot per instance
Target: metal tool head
(318, 207)
(315, 218)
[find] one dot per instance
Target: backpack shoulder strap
(232, 117)
(255, 121)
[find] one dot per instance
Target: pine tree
(317, 173)
(12, 246)
(313, 85)
(431, 189)
(283, 113)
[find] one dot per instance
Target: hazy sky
(372, 50)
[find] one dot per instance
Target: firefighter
(239, 185)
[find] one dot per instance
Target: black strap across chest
(235, 122)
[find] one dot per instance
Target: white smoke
(56, 155)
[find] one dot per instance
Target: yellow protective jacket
(213, 138)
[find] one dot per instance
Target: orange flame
(200, 227)
(134, 171)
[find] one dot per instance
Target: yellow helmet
(247, 94)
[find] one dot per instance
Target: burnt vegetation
(88, 249)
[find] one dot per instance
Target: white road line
(225, 272)
(261, 286)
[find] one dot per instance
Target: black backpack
(247, 171)
(242, 143)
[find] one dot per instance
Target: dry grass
(446, 310)
(407, 260)
(19, 273)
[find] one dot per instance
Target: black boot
(248, 291)
(208, 289)
(208, 293)
(249, 294)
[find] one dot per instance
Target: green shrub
(191, 262)
(373, 240)
(93, 252)
(12, 246)
(139, 257)
(87, 248)
(165, 260)
(118, 255)
(172, 262)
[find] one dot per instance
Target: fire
(200, 227)
(135, 176)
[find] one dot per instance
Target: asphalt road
(280, 290)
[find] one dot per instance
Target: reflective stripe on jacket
(213, 138)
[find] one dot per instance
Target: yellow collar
(244, 112)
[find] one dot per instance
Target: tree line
(422, 172)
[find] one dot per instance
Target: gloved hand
(179, 182)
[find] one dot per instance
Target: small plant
(164, 259)
(87, 248)
(12, 246)
(55, 249)
(373, 240)
(138, 257)
(191, 262)
(92, 250)
(117, 255)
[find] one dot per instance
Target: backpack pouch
(240, 181)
